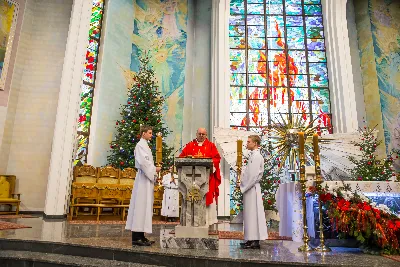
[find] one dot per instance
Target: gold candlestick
(159, 155)
(305, 247)
(322, 247)
(239, 160)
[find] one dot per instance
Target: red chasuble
(207, 150)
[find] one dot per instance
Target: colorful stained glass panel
(275, 26)
(256, 55)
(237, 7)
(236, 20)
(235, 30)
(255, 20)
(295, 43)
(293, 9)
(255, 9)
(316, 44)
(315, 32)
(298, 80)
(294, 21)
(96, 17)
(312, 10)
(236, 119)
(317, 80)
(313, 22)
(238, 93)
(258, 93)
(257, 80)
(257, 67)
(236, 54)
(300, 93)
(274, 9)
(81, 152)
(238, 67)
(256, 43)
(237, 42)
(255, 31)
(238, 106)
(276, 43)
(316, 56)
(238, 79)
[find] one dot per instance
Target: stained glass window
(278, 63)
(88, 82)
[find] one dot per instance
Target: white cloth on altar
(254, 223)
(140, 211)
(211, 214)
(170, 202)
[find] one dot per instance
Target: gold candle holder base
(305, 247)
(159, 175)
(322, 247)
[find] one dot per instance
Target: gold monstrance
(159, 155)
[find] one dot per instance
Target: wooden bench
(7, 195)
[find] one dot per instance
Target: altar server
(255, 226)
(170, 203)
(140, 211)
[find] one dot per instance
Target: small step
(13, 257)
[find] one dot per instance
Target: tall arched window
(88, 82)
(278, 63)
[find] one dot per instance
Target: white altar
(288, 202)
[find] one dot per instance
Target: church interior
(317, 81)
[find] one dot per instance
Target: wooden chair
(82, 191)
(127, 176)
(87, 175)
(112, 192)
(108, 175)
(7, 195)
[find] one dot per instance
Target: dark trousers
(137, 236)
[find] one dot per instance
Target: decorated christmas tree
(143, 107)
(269, 182)
(369, 167)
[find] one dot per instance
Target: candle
(301, 143)
(239, 152)
(315, 143)
(159, 148)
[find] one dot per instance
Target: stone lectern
(193, 177)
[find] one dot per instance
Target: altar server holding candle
(140, 211)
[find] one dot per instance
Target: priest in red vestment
(202, 147)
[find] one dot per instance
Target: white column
(67, 110)
(220, 98)
(341, 83)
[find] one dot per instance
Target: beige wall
(31, 109)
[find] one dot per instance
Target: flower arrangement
(353, 214)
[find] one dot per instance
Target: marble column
(64, 138)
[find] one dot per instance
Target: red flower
(343, 205)
(325, 197)
(366, 206)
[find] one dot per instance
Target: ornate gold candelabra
(322, 247)
(305, 247)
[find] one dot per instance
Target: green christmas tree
(269, 183)
(369, 167)
(143, 107)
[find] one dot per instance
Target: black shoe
(245, 243)
(252, 245)
(151, 242)
(141, 243)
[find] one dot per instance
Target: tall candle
(159, 148)
(301, 143)
(315, 143)
(239, 152)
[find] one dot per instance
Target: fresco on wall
(383, 53)
(160, 30)
(8, 16)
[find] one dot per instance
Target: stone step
(14, 258)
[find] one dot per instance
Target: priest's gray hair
(145, 129)
(255, 138)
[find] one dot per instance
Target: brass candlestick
(322, 247)
(239, 159)
(159, 155)
(305, 247)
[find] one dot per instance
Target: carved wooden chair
(128, 176)
(82, 191)
(108, 175)
(7, 195)
(85, 175)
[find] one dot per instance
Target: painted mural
(384, 36)
(160, 30)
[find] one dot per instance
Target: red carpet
(9, 225)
